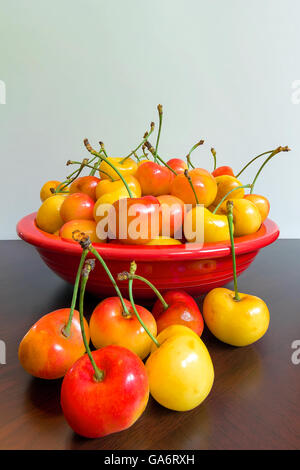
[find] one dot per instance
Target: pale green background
(92, 68)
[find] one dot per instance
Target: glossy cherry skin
(178, 165)
(109, 325)
(136, 219)
(45, 352)
(86, 185)
(204, 184)
(172, 213)
(96, 409)
(238, 323)
(83, 225)
(154, 179)
(225, 184)
(77, 206)
(182, 310)
(262, 204)
(223, 170)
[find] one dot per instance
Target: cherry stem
(188, 157)
(186, 174)
(70, 178)
(104, 265)
(230, 224)
(105, 159)
(253, 160)
(66, 330)
(99, 374)
(278, 150)
(146, 135)
(94, 168)
(226, 195)
(160, 115)
(214, 154)
(125, 275)
(152, 150)
(132, 271)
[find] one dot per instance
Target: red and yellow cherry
(48, 217)
(154, 179)
(45, 351)
(46, 189)
(109, 324)
(137, 220)
(83, 225)
(172, 213)
(125, 166)
(204, 184)
(118, 189)
(238, 323)
(246, 216)
(262, 204)
(95, 408)
(77, 206)
(201, 225)
(180, 370)
(223, 170)
(178, 165)
(179, 309)
(86, 185)
(225, 184)
(234, 318)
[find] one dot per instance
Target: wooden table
(255, 401)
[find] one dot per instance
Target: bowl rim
(267, 234)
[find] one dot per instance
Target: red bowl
(195, 269)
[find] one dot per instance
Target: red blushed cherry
(86, 185)
(182, 310)
(98, 408)
(110, 325)
(45, 352)
(77, 206)
(172, 213)
(178, 165)
(154, 179)
(137, 220)
(223, 170)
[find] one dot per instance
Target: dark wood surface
(255, 401)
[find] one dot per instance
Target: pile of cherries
(145, 180)
(106, 390)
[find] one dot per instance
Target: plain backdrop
(223, 70)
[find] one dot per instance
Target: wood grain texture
(255, 400)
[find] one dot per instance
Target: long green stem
(188, 157)
(155, 290)
(99, 374)
(72, 162)
(230, 223)
(152, 151)
(186, 174)
(278, 150)
(226, 196)
(105, 159)
(137, 314)
(66, 330)
(146, 135)
(104, 265)
(253, 160)
(160, 115)
(214, 154)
